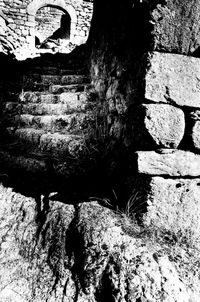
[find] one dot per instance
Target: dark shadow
(37, 41)
(196, 53)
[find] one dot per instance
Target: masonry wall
(20, 15)
(147, 76)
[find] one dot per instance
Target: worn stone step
(43, 81)
(64, 107)
(29, 136)
(64, 80)
(71, 123)
(45, 88)
(76, 101)
(54, 144)
(68, 88)
(44, 109)
(35, 86)
(48, 70)
(38, 97)
(10, 160)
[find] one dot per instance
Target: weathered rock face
(56, 252)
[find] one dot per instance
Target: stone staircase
(44, 126)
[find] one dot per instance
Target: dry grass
(182, 248)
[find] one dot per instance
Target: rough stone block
(195, 131)
(171, 162)
(29, 136)
(173, 204)
(159, 125)
(173, 78)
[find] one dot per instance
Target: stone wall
(147, 76)
(145, 80)
(21, 25)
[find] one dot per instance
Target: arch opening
(52, 28)
(71, 30)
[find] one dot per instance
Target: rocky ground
(52, 251)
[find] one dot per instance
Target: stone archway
(35, 5)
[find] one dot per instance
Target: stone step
(68, 88)
(29, 136)
(56, 71)
(54, 144)
(71, 123)
(56, 89)
(29, 164)
(74, 101)
(44, 109)
(38, 97)
(32, 80)
(34, 86)
(65, 79)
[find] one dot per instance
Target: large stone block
(171, 162)
(173, 78)
(173, 204)
(159, 125)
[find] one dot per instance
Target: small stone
(195, 115)
(179, 163)
(196, 135)
(164, 124)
